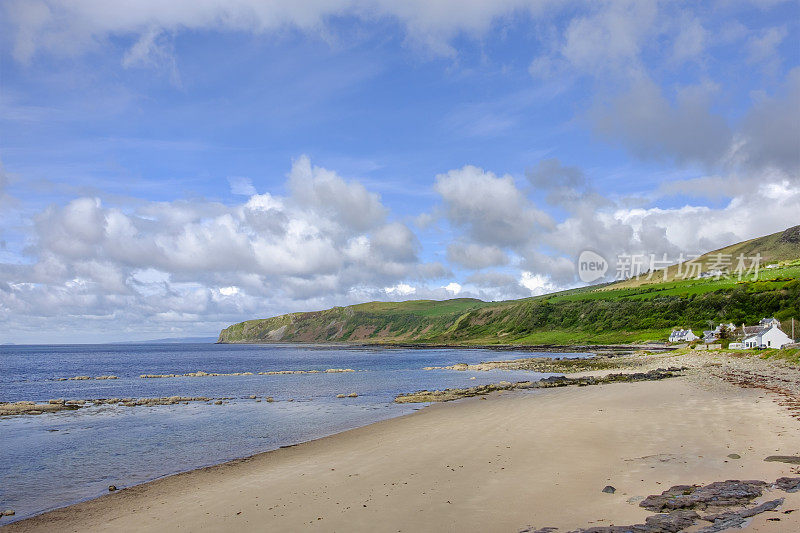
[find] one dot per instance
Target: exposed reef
(554, 381)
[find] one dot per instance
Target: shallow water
(56, 459)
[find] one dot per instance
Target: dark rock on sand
(788, 484)
(660, 523)
(112, 488)
(609, 489)
(718, 494)
(789, 459)
(731, 519)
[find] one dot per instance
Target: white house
(767, 322)
(770, 337)
(682, 335)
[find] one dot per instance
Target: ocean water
(56, 459)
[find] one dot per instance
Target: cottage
(682, 335)
(770, 337)
(710, 335)
(767, 322)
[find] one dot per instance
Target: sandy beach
(502, 462)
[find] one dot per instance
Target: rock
(608, 489)
(789, 484)
(732, 519)
(352, 395)
(734, 456)
(218, 402)
(788, 459)
(252, 396)
(8, 512)
(269, 399)
(718, 494)
(340, 396)
(112, 488)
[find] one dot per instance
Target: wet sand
(497, 463)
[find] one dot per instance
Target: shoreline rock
(447, 395)
(678, 507)
(202, 374)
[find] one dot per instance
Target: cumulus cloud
(686, 130)
(328, 242)
(475, 256)
(610, 227)
(492, 209)
(770, 133)
(651, 126)
(609, 38)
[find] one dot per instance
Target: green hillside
(626, 311)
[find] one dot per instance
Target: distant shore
(509, 461)
(551, 348)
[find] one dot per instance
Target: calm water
(57, 459)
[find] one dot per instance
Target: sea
(56, 459)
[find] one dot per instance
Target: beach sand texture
(500, 463)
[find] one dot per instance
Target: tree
(724, 333)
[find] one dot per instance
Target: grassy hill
(626, 311)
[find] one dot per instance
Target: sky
(170, 168)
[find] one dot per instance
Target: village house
(712, 335)
(768, 337)
(767, 334)
(767, 322)
(682, 335)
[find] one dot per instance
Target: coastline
(598, 349)
(542, 457)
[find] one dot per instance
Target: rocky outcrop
(33, 408)
(677, 507)
(201, 374)
(554, 381)
(719, 494)
(85, 378)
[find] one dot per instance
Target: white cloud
(453, 288)
(691, 40)
(536, 283)
(492, 209)
(762, 48)
(327, 243)
(242, 186)
(70, 27)
(229, 291)
(401, 289)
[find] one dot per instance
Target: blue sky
(169, 168)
